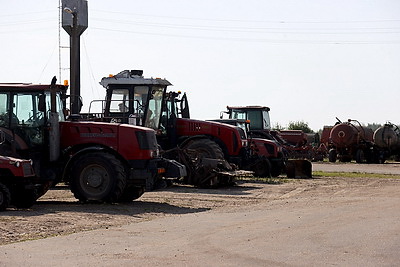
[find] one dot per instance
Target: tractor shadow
(63, 201)
(135, 208)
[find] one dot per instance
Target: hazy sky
(308, 61)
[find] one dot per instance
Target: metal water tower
(75, 22)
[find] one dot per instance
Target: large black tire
(5, 197)
(132, 193)
(24, 198)
(203, 175)
(98, 177)
(332, 156)
(262, 168)
(360, 156)
(206, 148)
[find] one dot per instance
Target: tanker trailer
(387, 141)
(349, 141)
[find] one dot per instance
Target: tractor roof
(28, 87)
(134, 77)
(248, 108)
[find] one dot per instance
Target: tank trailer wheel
(98, 177)
(5, 197)
(360, 156)
(332, 156)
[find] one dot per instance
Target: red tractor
(204, 147)
(294, 144)
(97, 160)
(14, 173)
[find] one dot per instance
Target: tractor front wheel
(5, 197)
(262, 168)
(98, 177)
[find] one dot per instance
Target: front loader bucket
(298, 168)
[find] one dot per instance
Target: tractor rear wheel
(206, 148)
(203, 174)
(98, 177)
(5, 197)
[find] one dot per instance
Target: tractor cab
(24, 116)
(131, 99)
(257, 115)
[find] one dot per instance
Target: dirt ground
(57, 214)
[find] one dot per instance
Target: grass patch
(355, 175)
(265, 180)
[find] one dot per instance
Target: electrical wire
(242, 39)
(256, 29)
(94, 92)
(47, 63)
(247, 21)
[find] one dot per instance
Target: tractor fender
(184, 140)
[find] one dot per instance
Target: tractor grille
(270, 148)
(147, 140)
(27, 169)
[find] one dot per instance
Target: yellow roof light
(66, 82)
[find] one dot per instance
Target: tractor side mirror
(185, 107)
(42, 103)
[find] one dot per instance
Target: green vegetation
(354, 175)
(300, 125)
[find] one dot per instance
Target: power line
(28, 13)
(368, 30)
(262, 40)
(248, 21)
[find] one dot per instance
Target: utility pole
(75, 22)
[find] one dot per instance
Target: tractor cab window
(59, 105)
(27, 120)
(119, 101)
(238, 115)
(256, 121)
(25, 110)
(266, 120)
(155, 107)
(4, 102)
